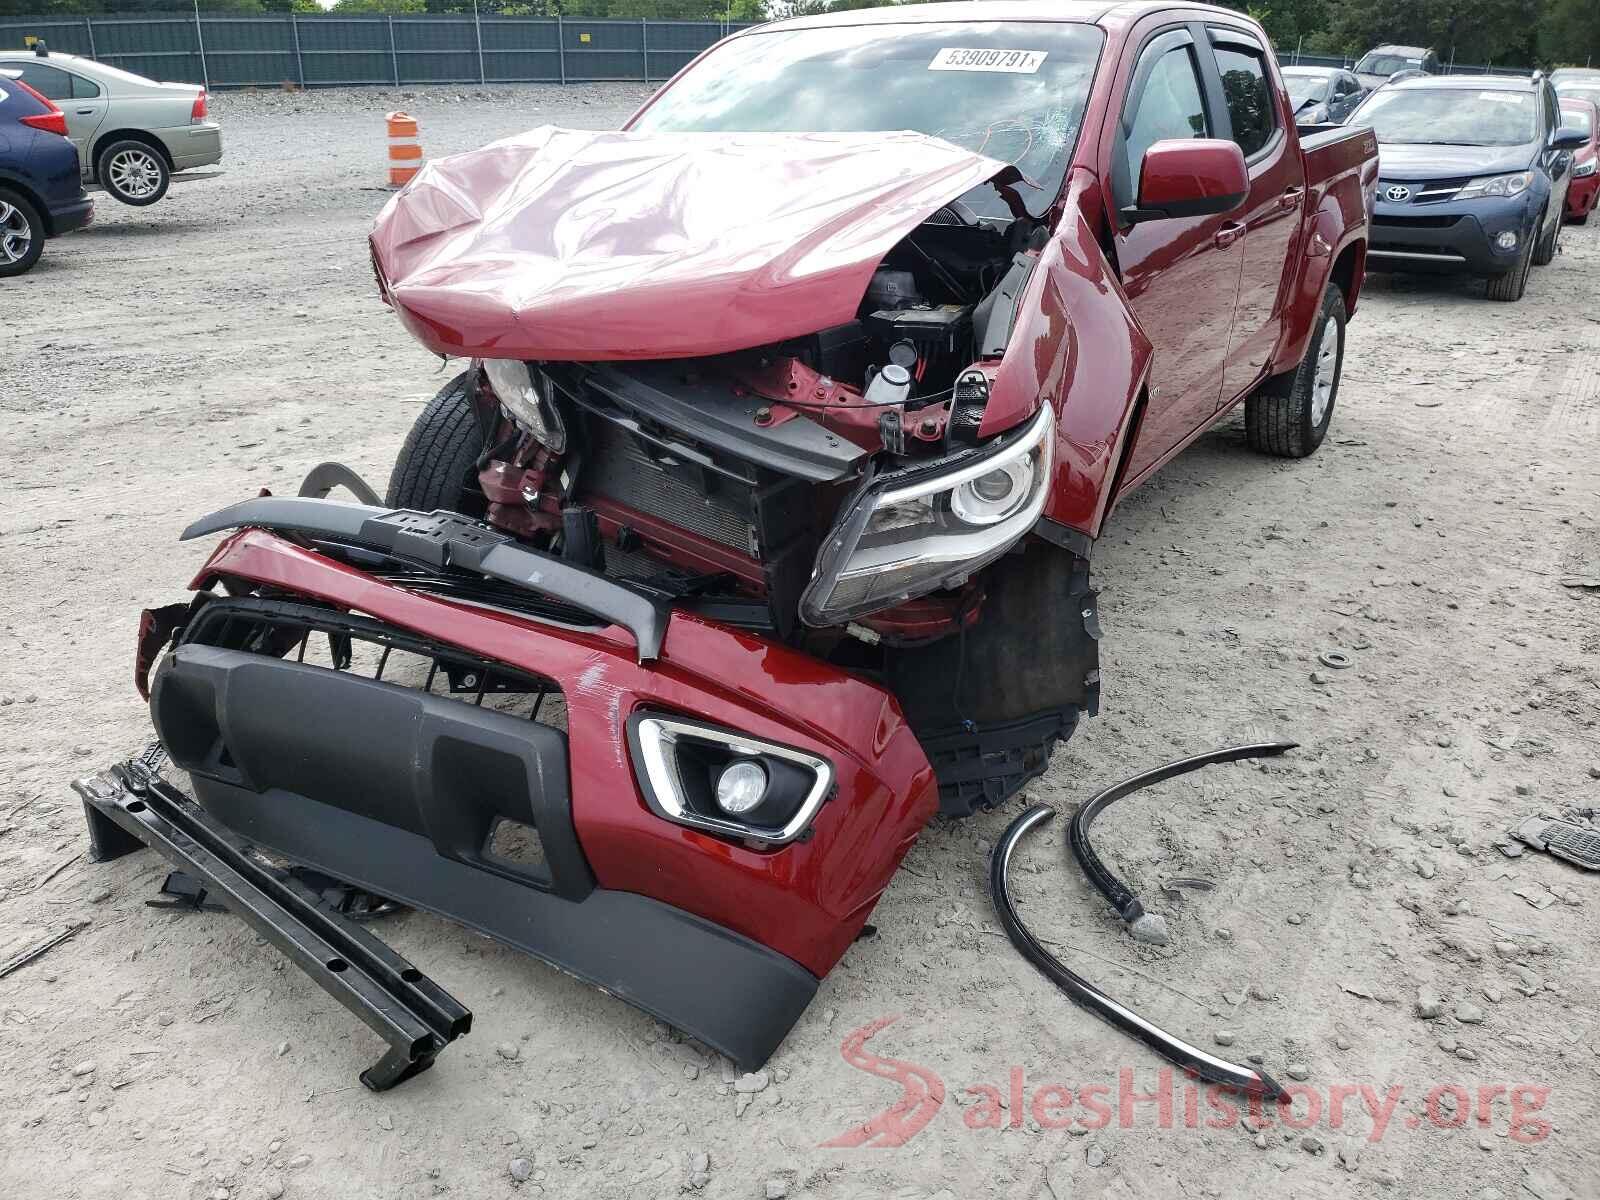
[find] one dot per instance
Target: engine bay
(717, 479)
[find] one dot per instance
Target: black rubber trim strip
(444, 539)
(1128, 906)
(130, 806)
(1081, 991)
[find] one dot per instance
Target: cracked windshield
(1012, 91)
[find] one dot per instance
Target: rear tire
(1508, 286)
(21, 234)
(1544, 250)
(133, 172)
(1289, 415)
(437, 468)
(1583, 220)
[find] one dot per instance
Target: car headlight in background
(527, 397)
(912, 532)
(724, 782)
(1585, 169)
(1497, 185)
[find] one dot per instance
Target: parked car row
(1476, 174)
(67, 122)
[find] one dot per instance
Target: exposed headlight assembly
(912, 532)
(725, 782)
(1585, 169)
(528, 399)
(1497, 185)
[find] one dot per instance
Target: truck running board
(130, 805)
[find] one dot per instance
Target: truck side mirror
(1569, 138)
(1189, 177)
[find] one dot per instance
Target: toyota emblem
(1397, 194)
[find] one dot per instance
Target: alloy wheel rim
(15, 236)
(1327, 370)
(135, 173)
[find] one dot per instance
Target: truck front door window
(1180, 279)
(1170, 107)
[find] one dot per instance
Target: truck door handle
(85, 112)
(1291, 197)
(1228, 235)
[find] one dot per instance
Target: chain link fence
(326, 50)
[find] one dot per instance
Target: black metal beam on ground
(130, 806)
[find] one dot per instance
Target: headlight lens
(914, 532)
(1497, 185)
(525, 395)
(1584, 169)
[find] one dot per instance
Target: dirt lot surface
(171, 360)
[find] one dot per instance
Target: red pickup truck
(794, 411)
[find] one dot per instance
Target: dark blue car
(1472, 175)
(41, 191)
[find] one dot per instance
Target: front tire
(1544, 250)
(1289, 415)
(438, 465)
(21, 234)
(133, 172)
(989, 705)
(1509, 286)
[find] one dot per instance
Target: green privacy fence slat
(329, 49)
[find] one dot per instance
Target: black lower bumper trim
(130, 806)
(723, 989)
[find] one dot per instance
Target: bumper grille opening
(340, 641)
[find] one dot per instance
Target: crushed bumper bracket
(130, 805)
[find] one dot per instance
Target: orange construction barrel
(405, 151)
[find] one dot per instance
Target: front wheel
(438, 465)
(1289, 415)
(1509, 286)
(21, 234)
(133, 172)
(1544, 250)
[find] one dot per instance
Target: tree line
(1502, 32)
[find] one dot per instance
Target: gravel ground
(170, 360)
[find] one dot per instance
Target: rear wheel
(1289, 415)
(133, 172)
(438, 465)
(21, 234)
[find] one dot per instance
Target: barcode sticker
(1012, 62)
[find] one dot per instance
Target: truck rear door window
(1249, 96)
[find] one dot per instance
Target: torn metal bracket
(1122, 898)
(1190, 1058)
(130, 805)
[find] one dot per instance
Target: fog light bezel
(654, 738)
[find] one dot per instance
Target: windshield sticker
(1011, 62)
(1501, 97)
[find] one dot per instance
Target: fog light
(1506, 240)
(741, 786)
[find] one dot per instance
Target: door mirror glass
(1190, 177)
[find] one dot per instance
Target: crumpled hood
(561, 244)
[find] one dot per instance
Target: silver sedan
(132, 133)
